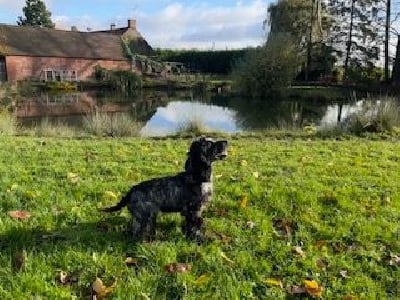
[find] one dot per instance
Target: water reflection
(164, 112)
(177, 114)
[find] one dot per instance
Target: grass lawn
(283, 212)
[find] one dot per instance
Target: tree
(267, 68)
(307, 23)
(356, 26)
(35, 14)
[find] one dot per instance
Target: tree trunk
(348, 44)
(396, 66)
(387, 37)
(309, 44)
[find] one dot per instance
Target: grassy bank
(283, 212)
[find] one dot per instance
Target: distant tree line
(211, 61)
(326, 40)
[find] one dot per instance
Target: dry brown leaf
(19, 214)
(296, 290)
(322, 263)
(349, 297)
(284, 227)
(18, 261)
(274, 282)
(320, 244)
(313, 288)
(100, 291)
(178, 267)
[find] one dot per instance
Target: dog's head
(203, 151)
(208, 149)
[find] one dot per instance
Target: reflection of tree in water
(260, 114)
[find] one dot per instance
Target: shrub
(374, 116)
(103, 124)
(266, 68)
(8, 122)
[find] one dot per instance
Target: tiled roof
(38, 41)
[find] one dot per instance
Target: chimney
(132, 24)
(74, 28)
(112, 26)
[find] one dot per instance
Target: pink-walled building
(29, 52)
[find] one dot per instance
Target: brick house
(28, 52)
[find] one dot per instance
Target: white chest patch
(206, 189)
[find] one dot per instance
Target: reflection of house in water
(72, 108)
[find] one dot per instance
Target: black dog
(186, 192)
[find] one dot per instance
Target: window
(3, 71)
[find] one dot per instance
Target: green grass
(340, 201)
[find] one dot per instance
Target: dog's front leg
(193, 226)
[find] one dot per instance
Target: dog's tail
(120, 205)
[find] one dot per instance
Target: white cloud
(187, 26)
(201, 25)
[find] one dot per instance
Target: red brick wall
(26, 67)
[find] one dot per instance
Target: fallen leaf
(349, 297)
(250, 224)
(274, 282)
(100, 291)
(18, 261)
(224, 238)
(19, 214)
(73, 177)
(62, 277)
(131, 261)
(394, 260)
(12, 188)
(344, 274)
(256, 174)
(243, 202)
(299, 251)
(243, 163)
(202, 279)
(320, 244)
(322, 264)
(284, 227)
(312, 288)
(104, 226)
(109, 195)
(226, 258)
(65, 278)
(296, 290)
(178, 267)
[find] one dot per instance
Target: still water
(163, 113)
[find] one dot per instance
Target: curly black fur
(186, 192)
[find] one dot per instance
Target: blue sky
(164, 23)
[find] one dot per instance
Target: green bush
(264, 69)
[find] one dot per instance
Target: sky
(179, 24)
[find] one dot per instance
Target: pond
(163, 112)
